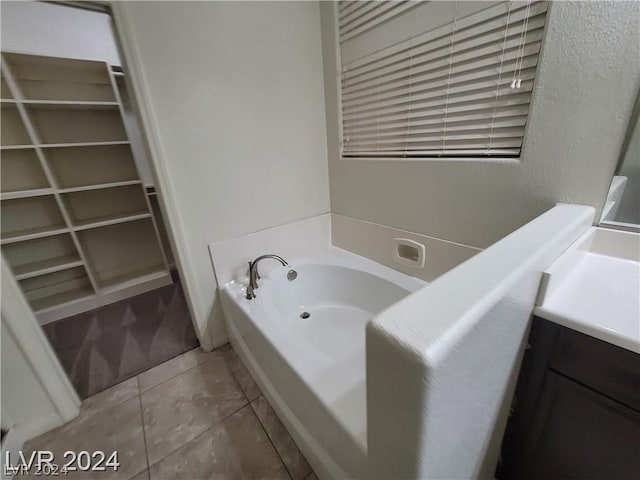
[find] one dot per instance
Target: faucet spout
(254, 275)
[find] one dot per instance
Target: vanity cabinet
(576, 410)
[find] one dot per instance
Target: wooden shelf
(105, 205)
(50, 78)
(48, 191)
(131, 280)
(59, 126)
(4, 89)
(44, 267)
(51, 289)
(33, 233)
(85, 165)
(100, 186)
(26, 193)
(78, 144)
(15, 147)
(31, 217)
(64, 145)
(65, 104)
(61, 299)
(42, 255)
(22, 172)
(121, 253)
(77, 229)
(109, 220)
(13, 133)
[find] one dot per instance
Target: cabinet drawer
(606, 368)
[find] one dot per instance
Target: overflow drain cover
(305, 315)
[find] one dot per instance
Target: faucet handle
(257, 273)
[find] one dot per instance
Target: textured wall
(588, 79)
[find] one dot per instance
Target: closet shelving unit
(77, 228)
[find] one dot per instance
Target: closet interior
(78, 224)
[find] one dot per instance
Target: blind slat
(480, 143)
(357, 15)
(443, 92)
(518, 106)
(507, 134)
(460, 81)
(484, 97)
(492, 42)
(449, 153)
(485, 56)
(412, 132)
(386, 11)
(490, 21)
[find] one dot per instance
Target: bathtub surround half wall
(463, 333)
(376, 242)
(585, 89)
(312, 236)
(229, 258)
(231, 95)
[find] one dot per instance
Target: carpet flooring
(105, 346)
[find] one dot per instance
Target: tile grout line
(233, 376)
(144, 430)
(250, 403)
(264, 429)
(177, 374)
(195, 438)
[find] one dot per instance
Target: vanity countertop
(594, 288)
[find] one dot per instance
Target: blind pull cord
(413, 35)
(446, 105)
(516, 83)
(495, 101)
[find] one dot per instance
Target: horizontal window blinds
(423, 79)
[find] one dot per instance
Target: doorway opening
(82, 227)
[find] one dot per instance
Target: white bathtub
(313, 369)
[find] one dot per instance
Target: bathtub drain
(305, 315)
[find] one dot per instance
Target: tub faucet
(254, 275)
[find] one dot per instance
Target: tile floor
(198, 416)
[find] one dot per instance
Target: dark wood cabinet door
(576, 433)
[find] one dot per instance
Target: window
(437, 79)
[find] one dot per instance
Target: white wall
(23, 397)
(46, 29)
(587, 82)
(233, 96)
(36, 395)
